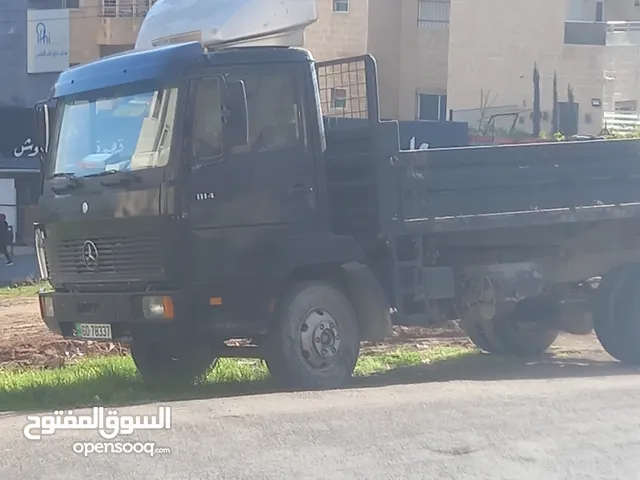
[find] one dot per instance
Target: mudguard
(336, 251)
(369, 301)
(295, 251)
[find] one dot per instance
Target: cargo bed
(487, 187)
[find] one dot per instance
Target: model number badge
(205, 196)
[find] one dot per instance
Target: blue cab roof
(163, 62)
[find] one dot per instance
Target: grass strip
(113, 380)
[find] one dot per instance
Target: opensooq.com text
(90, 448)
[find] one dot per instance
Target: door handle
(300, 188)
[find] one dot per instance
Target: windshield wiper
(71, 184)
(69, 175)
(110, 172)
(128, 176)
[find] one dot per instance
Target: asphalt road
(583, 427)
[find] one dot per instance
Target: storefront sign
(17, 148)
(47, 40)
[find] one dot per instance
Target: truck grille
(124, 256)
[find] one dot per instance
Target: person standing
(4, 239)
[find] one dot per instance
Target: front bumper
(123, 311)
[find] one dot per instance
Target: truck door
(241, 195)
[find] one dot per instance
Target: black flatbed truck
(311, 244)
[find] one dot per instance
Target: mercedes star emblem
(90, 255)
(85, 207)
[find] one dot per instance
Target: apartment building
(477, 59)
(591, 47)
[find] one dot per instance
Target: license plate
(98, 331)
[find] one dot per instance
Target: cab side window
(274, 108)
(207, 133)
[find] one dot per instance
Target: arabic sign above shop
(47, 40)
(17, 149)
(27, 149)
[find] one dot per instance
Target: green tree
(537, 114)
(572, 108)
(555, 124)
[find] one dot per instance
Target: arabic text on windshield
(117, 133)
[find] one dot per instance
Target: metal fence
(125, 8)
(622, 122)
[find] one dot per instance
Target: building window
(341, 6)
(626, 106)
(599, 11)
(434, 13)
(339, 98)
(432, 107)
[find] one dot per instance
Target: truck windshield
(125, 132)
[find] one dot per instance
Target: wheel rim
(319, 339)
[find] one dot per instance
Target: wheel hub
(319, 338)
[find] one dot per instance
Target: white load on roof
(222, 23)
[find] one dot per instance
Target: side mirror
(42, 126)
(236, 114)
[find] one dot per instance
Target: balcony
(585, 33)
(622, 34)
(611, 34)
(120, 20)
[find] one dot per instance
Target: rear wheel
(314, 343)
(617, 314)
(167, 363)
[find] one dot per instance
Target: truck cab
(184, 203)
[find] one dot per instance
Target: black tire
(293, 353)
(171, 363)
(615, 316)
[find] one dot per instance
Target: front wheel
(314, 343)
(165, 363)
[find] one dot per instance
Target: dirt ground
(25, 341)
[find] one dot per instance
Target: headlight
(40, 254)
(157, 308)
